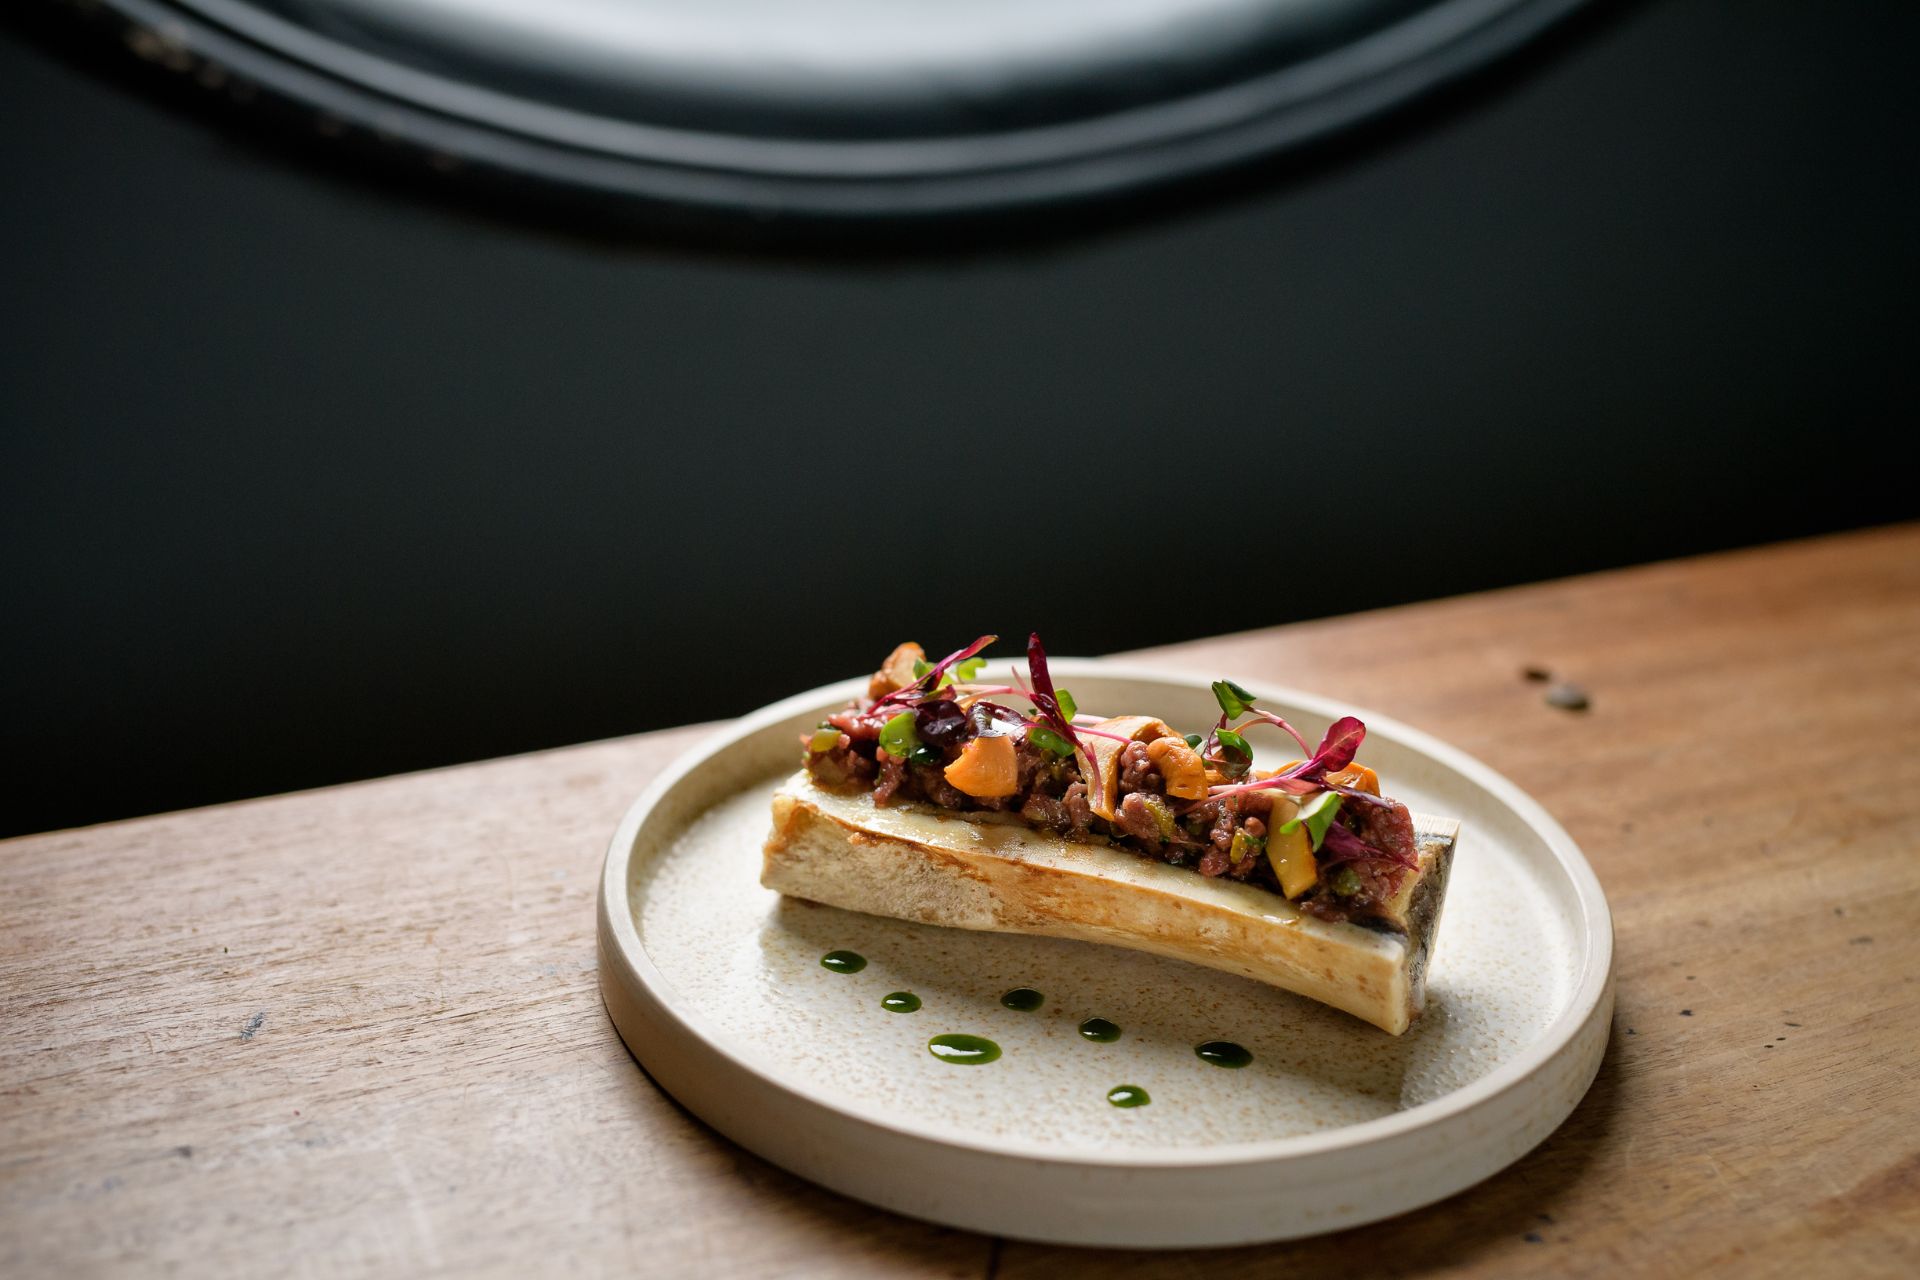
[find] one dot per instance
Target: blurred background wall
(306, 476)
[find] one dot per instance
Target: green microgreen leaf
(1316, 815)
(1049, 741)
(970, 668)
(1233, 742)
(920, 668)
(1194, 740)
(1234, 700)
(1068, 707)
(898, 737)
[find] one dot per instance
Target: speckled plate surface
(717, 987)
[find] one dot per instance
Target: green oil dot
(1023, 999)
(900, 1002)
(1101, 1031)
(843, 961)
(1128, 1095)
(963, 1051)
(1223, 1053)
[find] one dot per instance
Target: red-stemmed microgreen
(927, 681)
(1355, 793)
(1343, 845)
(1043, 695)
(1235, 702)
(1336, 752)
(1046, 701)
(1268, 717)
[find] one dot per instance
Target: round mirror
(848, 107)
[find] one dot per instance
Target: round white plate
(717, 987)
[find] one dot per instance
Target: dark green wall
(305, 478)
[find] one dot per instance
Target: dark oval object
(963, 1050)
(1568, 697)
(1128, 1095)
(900, 1002)
(1023, 999)
(1224, 1053)
(843, 961)
(1100, 1031)
(940, 723)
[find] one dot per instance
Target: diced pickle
(1243, 847)
(1162, 816)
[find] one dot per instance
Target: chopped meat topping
(899, 743)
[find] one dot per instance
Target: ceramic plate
(718, 988)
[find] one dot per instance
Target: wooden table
(356, 1030)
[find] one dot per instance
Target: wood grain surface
(356, 1030)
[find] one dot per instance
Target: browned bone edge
(356, 1030)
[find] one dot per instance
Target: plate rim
(1591, 989)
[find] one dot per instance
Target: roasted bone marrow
(931, 745)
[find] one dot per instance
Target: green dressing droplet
(1023, 999)
(1128, 1095)
(964, 1051)
(843, 961)
(1100, 1031)
(900, 1002)
(1223, 1053)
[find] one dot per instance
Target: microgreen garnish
(1233, 742)
(1337, 749)
(898, 737)
(1234, 700)
(1344, 846)
(1316, 815)
(1336, 752)
(1047, 701)
(927, 680)
(1267, 717)
(964, 670)
(1042, 695)
(1194, 740)
(1049, 741)
(1068, 707)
